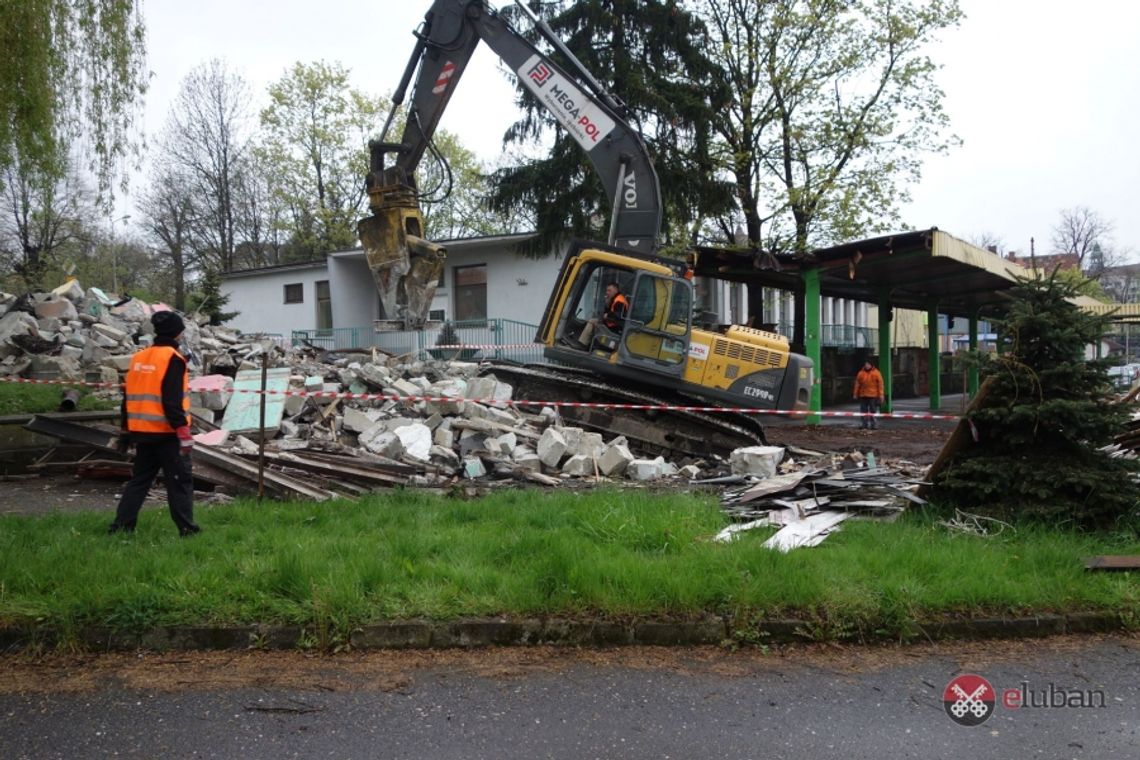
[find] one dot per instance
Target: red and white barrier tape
(486, 347)
(523, 402)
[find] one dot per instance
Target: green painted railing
(478, 339)
(849, 336)
(502, 339)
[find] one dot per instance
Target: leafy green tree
(834, 106)
(71, 69)
(454, 194)
(1044, 419)
(315, 145)
(45, 223)
(651, 55)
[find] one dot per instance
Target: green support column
(972, 373)
(935, 371)
(885, 348)
(811, 340)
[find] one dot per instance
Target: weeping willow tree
(71, 77)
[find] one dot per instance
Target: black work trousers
(868, 406)
(151, 456)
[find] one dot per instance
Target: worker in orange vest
(617, 309)
(869, 392)
(156, 406)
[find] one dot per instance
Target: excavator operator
(617, 309)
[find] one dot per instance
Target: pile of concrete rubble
(427, 422)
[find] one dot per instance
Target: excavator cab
(654, 334)
(656, 345)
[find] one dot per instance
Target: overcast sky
(1045, 96)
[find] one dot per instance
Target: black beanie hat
(167, 324)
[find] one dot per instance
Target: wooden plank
(960, 439)
(1113, 562)
(273, 480)
(346, 468)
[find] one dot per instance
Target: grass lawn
(24, 398)
(600, 553)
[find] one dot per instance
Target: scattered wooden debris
(1113, 562)
(809, 531)
(809, 503)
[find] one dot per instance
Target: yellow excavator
(653, 354)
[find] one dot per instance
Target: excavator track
(672, 433)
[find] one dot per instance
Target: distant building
(1048, 263)
(484, 278)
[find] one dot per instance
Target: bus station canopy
(909, 270)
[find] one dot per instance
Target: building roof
(357, 252)
(915, 270)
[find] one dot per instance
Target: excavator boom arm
(451, 31)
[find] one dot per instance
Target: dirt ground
(396, 671)
(916, 443)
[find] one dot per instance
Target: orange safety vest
(868, 384)
(145, 413)
(611, 319)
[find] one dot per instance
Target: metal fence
(849, 336)
(503, 339)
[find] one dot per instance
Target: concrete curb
(489, 632)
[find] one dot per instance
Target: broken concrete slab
(644, 469)
(758, 461)
(526, 458)
(211, 391)
(690, 472)
(444, 437)
(382, 442)
(579, 465)
(71, 290)
(416, 439)
(551, 447)
(473, 467)
(358, 420)
(590, 444)
(56, 308)
(615, 459)
(243, 413)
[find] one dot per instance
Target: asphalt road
(624, 703)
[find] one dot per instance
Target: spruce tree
(210, 300)
(1046, 414)
(652, 55)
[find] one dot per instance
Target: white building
(336, 300)
(484, 278)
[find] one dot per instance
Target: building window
(470, 292)
(295, 293)
(437, 315)
(324, 306)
